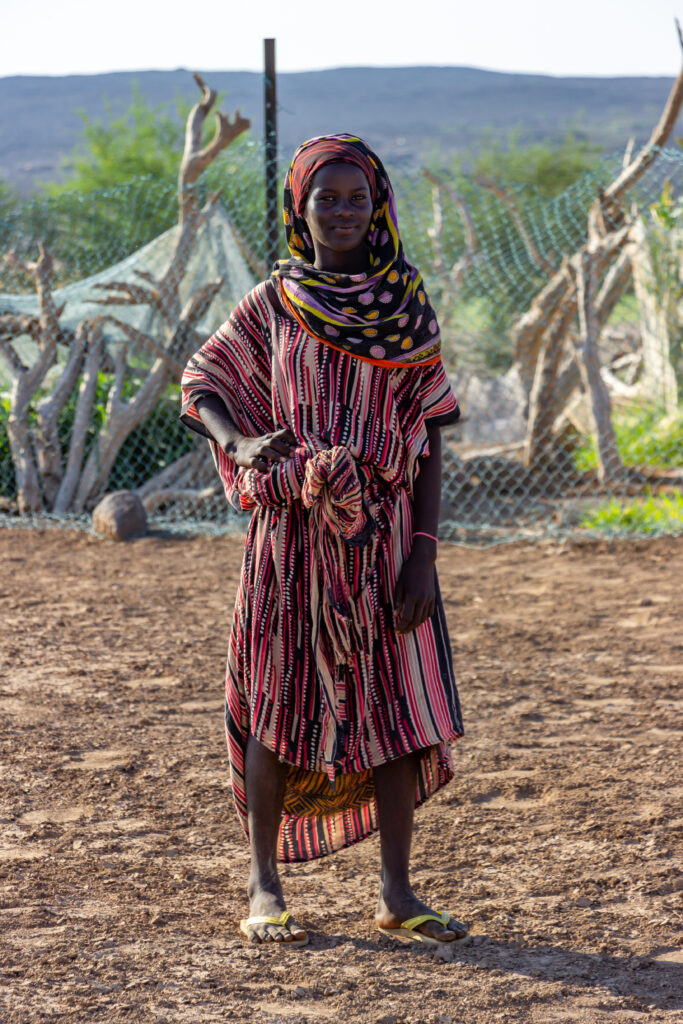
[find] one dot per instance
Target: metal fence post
(270, 130)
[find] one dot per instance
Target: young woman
(323, 396)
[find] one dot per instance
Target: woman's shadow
(652, 979)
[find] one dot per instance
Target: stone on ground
(120, 516)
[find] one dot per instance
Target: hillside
(406, 112)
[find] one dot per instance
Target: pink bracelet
(421, 533)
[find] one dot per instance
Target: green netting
(524, 461)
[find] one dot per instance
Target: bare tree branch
(84, 404)
(471, 241)
(617, 280)
(171, 475)
(628, 152)
(125, 293)
(13, 326)
(198, 304)
(46, 437)
(195, 159)
(609, 461)
(169, 495)
(148, 344)
(14, 363)
(534, 252)
(660, 135)
(455, 274)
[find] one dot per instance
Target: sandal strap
(281, 920)
(414, 922)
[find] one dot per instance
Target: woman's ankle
(264, 880)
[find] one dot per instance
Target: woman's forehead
(339, 175)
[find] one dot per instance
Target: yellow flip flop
(281, 921)
(407, 930)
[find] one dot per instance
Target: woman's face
(338, 213)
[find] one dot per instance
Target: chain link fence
(562, 321)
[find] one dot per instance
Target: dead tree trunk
(542, 412)
(552, 385)
(610, 468)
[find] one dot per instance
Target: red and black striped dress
(316, 671)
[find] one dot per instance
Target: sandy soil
(122, 866)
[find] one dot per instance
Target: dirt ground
(123, 867)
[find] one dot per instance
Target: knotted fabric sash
(341, 495)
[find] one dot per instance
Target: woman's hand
(261, 452)
(250, 452)
(415, 595)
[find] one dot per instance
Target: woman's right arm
(250, 452)
(217, 420)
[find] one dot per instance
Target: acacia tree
(46, 481)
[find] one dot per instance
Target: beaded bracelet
(421, 533)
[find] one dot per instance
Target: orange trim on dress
(387, 363)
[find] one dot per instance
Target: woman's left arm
(415, 594)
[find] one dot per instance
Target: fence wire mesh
(563, 342)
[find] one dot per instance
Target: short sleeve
(439, 404)
(235, 364)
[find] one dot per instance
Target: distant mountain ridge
(408, 114)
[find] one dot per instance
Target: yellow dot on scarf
(285, 217)
(349, 309)
(421, 296)
(369, 332)
(372, 315)
(407, 343)
(393, 337)
(392, 277)
(330, 280)
(405, 279)
(297, 241)
(295, 252)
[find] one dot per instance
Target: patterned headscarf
(382, 315)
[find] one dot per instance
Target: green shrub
(653, 514)
(8, 486)
(644, 438)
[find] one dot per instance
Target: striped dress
(316, 671)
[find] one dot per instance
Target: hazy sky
(584, 37)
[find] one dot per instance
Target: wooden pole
(270, 138)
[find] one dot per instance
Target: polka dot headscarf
(382, 315)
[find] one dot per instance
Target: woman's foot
(397, 904)
(266, 900)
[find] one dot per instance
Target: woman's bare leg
(265, 779)
(395, 784)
